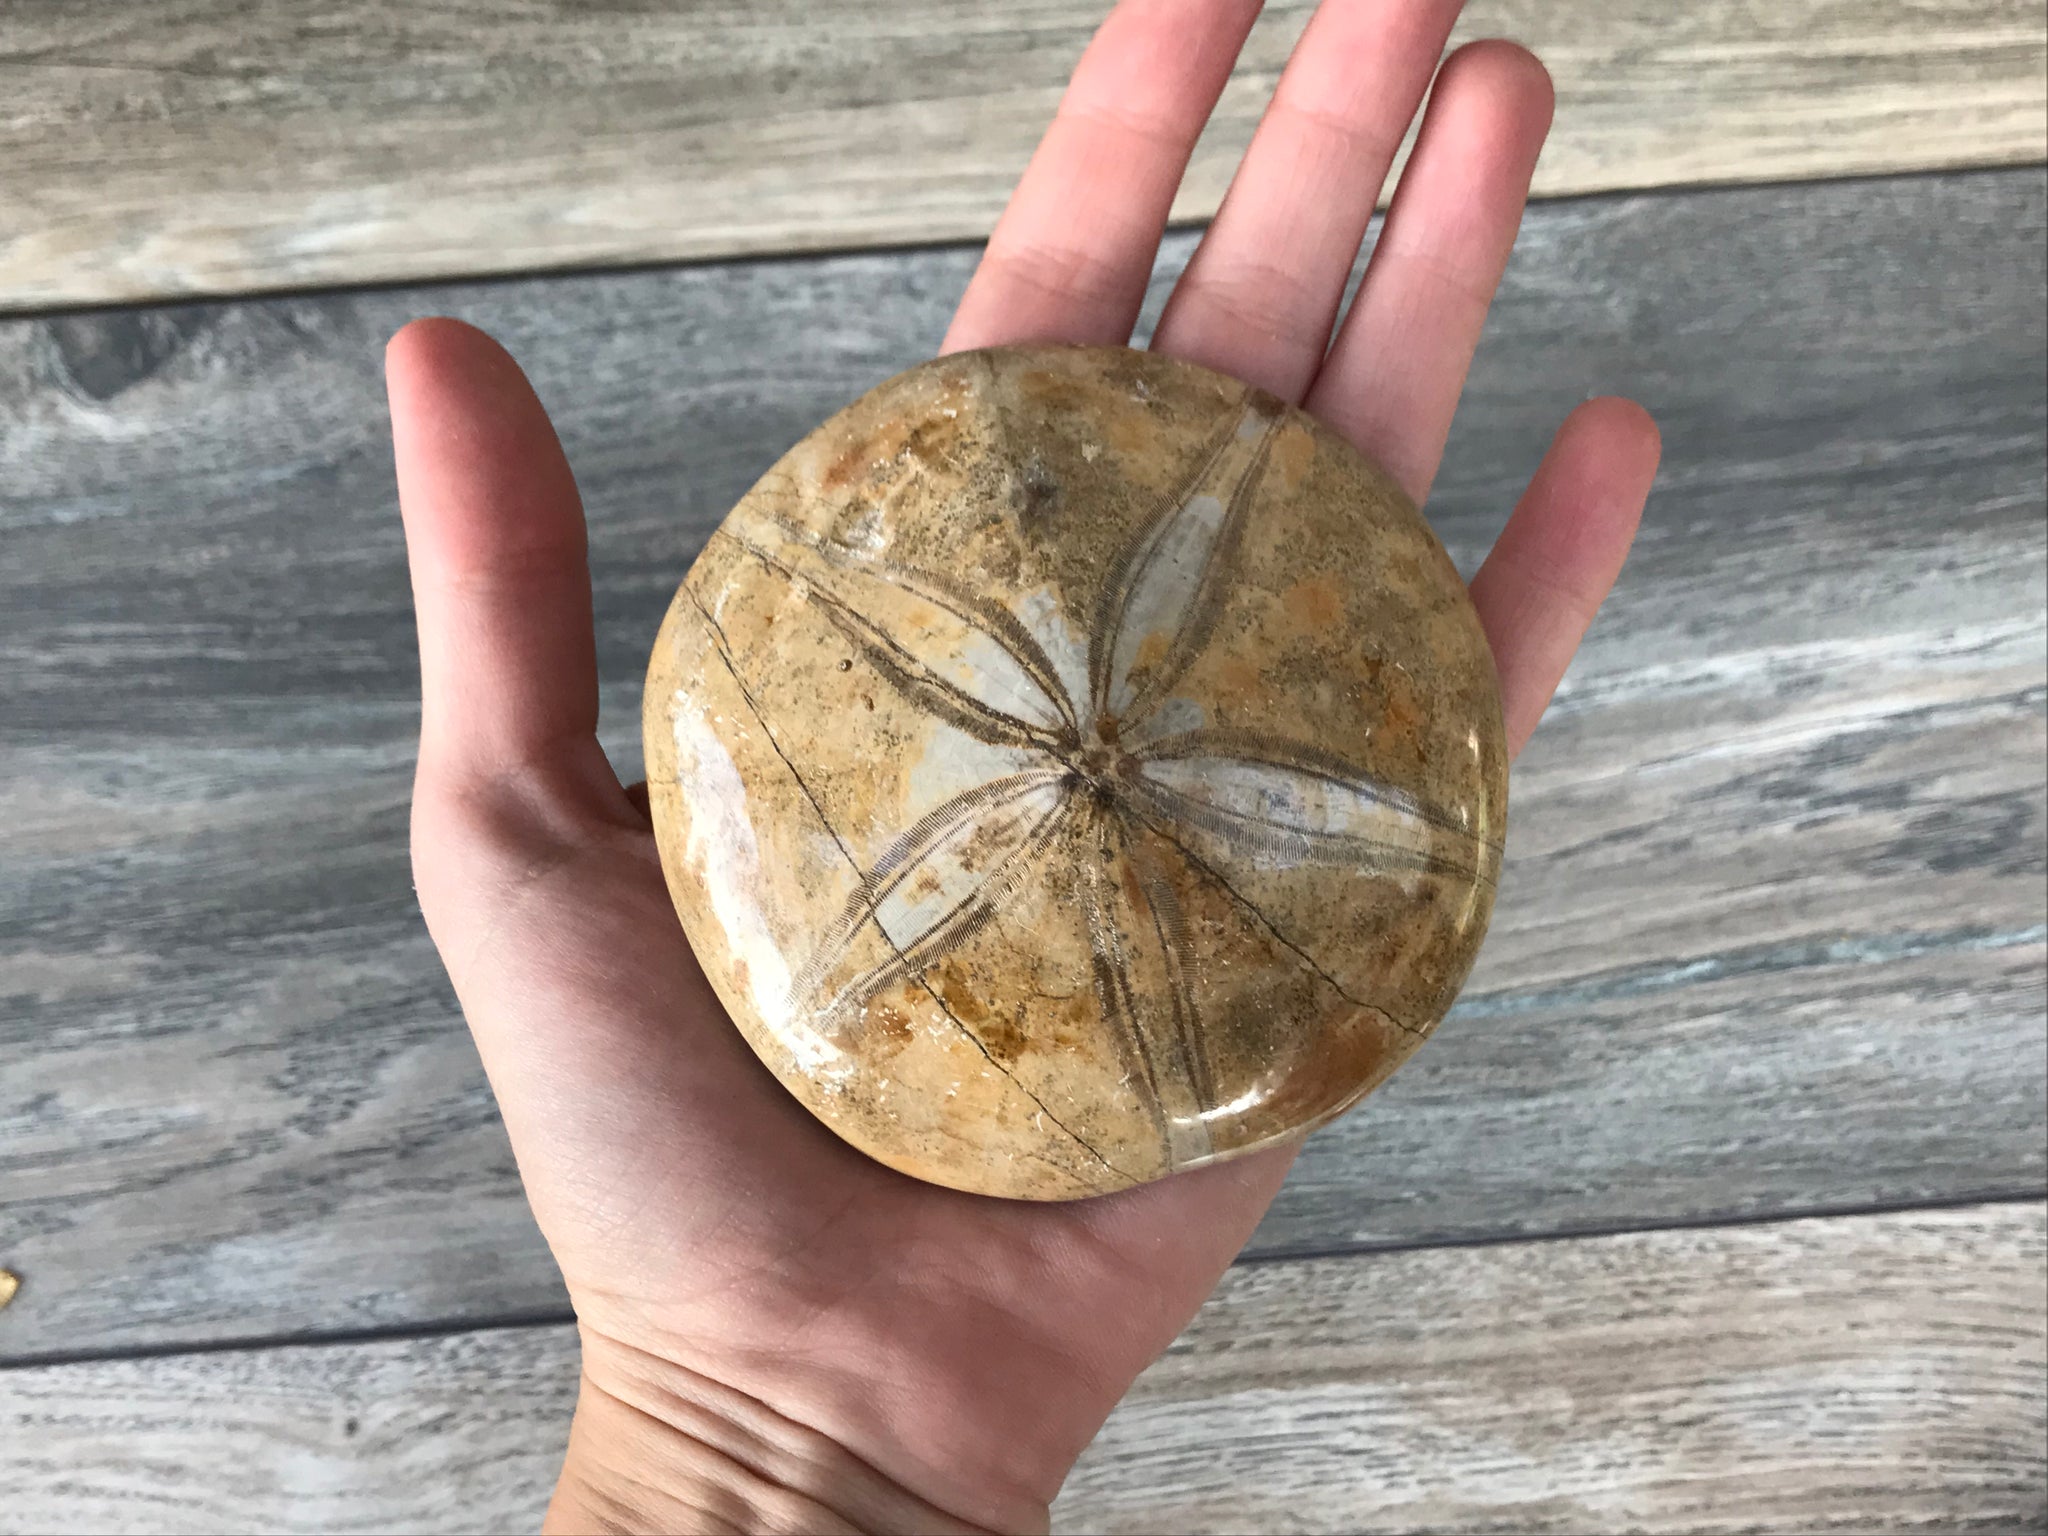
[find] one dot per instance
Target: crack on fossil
(723, 646)
(1203, 865)
(911, 677)
(960, 923)
(904, 858)
(943, 593)
(1075, 1136)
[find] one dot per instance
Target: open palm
(814, 1341)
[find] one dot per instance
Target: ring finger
(1392, 380)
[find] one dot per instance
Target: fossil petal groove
(1072, 766)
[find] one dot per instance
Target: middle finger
(1069, 258)
(1261, 292)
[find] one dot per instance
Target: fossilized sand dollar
(1071, 766)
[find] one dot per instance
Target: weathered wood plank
(1859, 1373)
(207, 146)
(1771, 938)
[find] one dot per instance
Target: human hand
(777, 1332)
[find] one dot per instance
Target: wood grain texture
(1855, 1374)
(1859, 1373)
(1771, 937)
(157, 147)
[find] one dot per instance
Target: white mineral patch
(1165, 589)
(722, 849)
(1175, 715)
(955, 868)
(1065, 647)
(1286, 813)
(986, 672)
(953, 763)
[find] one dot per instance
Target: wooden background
(1718, 1203)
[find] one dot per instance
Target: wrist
(658, 1447)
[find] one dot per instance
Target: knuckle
(1263, 297)
(1067, 272)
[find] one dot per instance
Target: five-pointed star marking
(1112, 770)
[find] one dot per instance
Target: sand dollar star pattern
(1108, 787)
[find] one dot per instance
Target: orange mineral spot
(1317, 602)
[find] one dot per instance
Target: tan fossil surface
(1072, 766)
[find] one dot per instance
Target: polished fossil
(1072, 766)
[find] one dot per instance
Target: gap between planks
(485, 279)
(552, 1317)
(208, 149)
(1848, 1373)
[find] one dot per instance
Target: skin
(779, 1334)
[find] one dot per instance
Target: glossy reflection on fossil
(1072, 766)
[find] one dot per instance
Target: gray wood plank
(1857, 1373)
(1862, 1373)
(1772, 933)
(160, 147)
